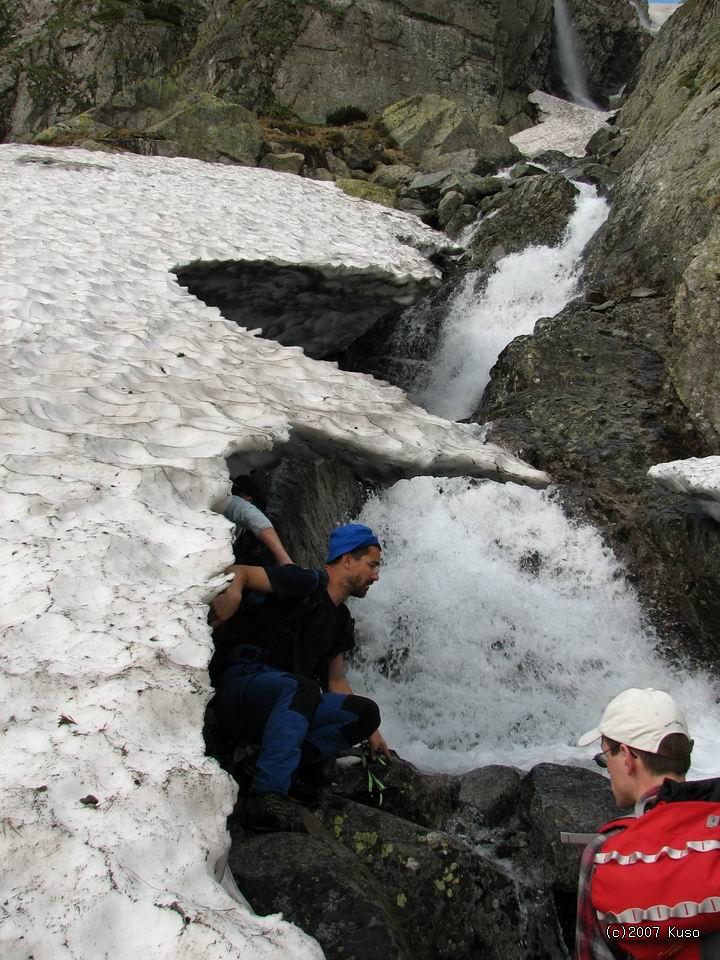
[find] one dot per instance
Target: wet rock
(427, 799)
(554, 160)
(536, 212)
(555, 798)
(521, 170)
(597, 174)
(324, 889)
(305, 498)
(490, 795)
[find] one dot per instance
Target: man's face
(620, 781)
(363, 571)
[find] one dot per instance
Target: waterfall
(642, 15)
(538, 282)
(499, 628)
(571, 69)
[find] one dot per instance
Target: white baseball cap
(639, 718)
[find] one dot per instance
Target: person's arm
(246, 515)
(272, 541)
(337, 683)
(226, 603)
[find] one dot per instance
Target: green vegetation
(345, 115)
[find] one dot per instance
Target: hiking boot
(303, 792)
(272, 811)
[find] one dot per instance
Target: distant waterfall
(571, 69)
(642, 14)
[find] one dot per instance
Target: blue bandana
(350, 537)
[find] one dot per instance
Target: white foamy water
(538, 282)
(507, 630)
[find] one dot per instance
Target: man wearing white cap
(650, 883)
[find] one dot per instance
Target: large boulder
(536, 212)
(556, 799)
(426, 127)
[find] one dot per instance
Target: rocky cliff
(306, 56)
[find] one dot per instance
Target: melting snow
(121, 394)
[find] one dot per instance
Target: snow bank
(121, 394)
(699, 477)
(564, 126)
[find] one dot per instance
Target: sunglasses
(601, 758)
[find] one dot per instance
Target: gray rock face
(535, 212)
(695, 363)
(663, 230)
(62, 58)
(163, 119)
(372, 53)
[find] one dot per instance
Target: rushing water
(526, 286)
(499, 629)
(568, 47)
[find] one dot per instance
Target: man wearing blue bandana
(283, 681)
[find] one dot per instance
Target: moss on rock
(368, 191)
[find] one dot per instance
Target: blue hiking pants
(290, 717)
